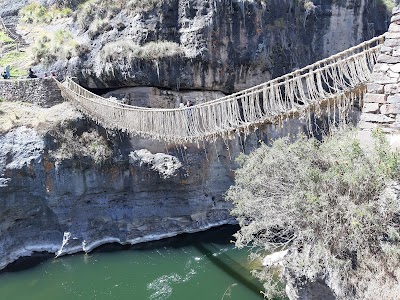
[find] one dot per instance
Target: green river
(203, 266)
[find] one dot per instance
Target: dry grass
(35, 13)
(87, 145)
(55, 122)
(127, 50)
(49, 47)
(15, 114)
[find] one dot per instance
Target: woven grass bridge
(337, 79)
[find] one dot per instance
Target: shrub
(127, 50)
(59, 45)
(322, 200)
(97, 26)
(89, 144)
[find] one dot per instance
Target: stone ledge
(393, 99)
(392, 88)
(370, 108)
(394, 28)
(374, 118)
(374, 88)
(392, 35)
(382, 78)
(375, 98)
(384, 58)
(367, 125)
(388, 109)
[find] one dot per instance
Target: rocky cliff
(61, 174)
(222, 45)
(52, 183)
(64, 177)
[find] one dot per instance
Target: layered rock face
(51, 184)
(223, 45)
(145, 198)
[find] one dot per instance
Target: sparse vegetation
(50, 47)
(94, 11)
(15, 114)
(35, 13)
(126, 50)
(97, 26)
(325, 202)
(143, 5)
(18, 62)
(88, 144)
(5, 39)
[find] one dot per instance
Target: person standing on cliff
(8, 71)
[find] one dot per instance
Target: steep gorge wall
(125, 199)
(227, 45)
(129, 201)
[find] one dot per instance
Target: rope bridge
(340, 77)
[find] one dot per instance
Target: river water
(203, 266)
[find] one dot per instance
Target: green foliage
(17, 61)
(5, 39)
(322, 200)
(35, 13)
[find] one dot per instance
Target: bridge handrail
(333, 77)
(326, 62)
(378, 40)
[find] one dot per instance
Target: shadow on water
(29, 262)
(232, 268)
(220, 235)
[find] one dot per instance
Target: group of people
(188, 104)
(5, 73)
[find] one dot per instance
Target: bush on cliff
(325, 202)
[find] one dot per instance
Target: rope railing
(335, 77)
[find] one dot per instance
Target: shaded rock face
(161, 191)
(161, 98)
(227, 45)
(117, 202)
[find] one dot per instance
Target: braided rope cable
(296, 92)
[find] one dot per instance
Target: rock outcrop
(226, 45)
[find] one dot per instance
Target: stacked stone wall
(382, 101)
(41, 91)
